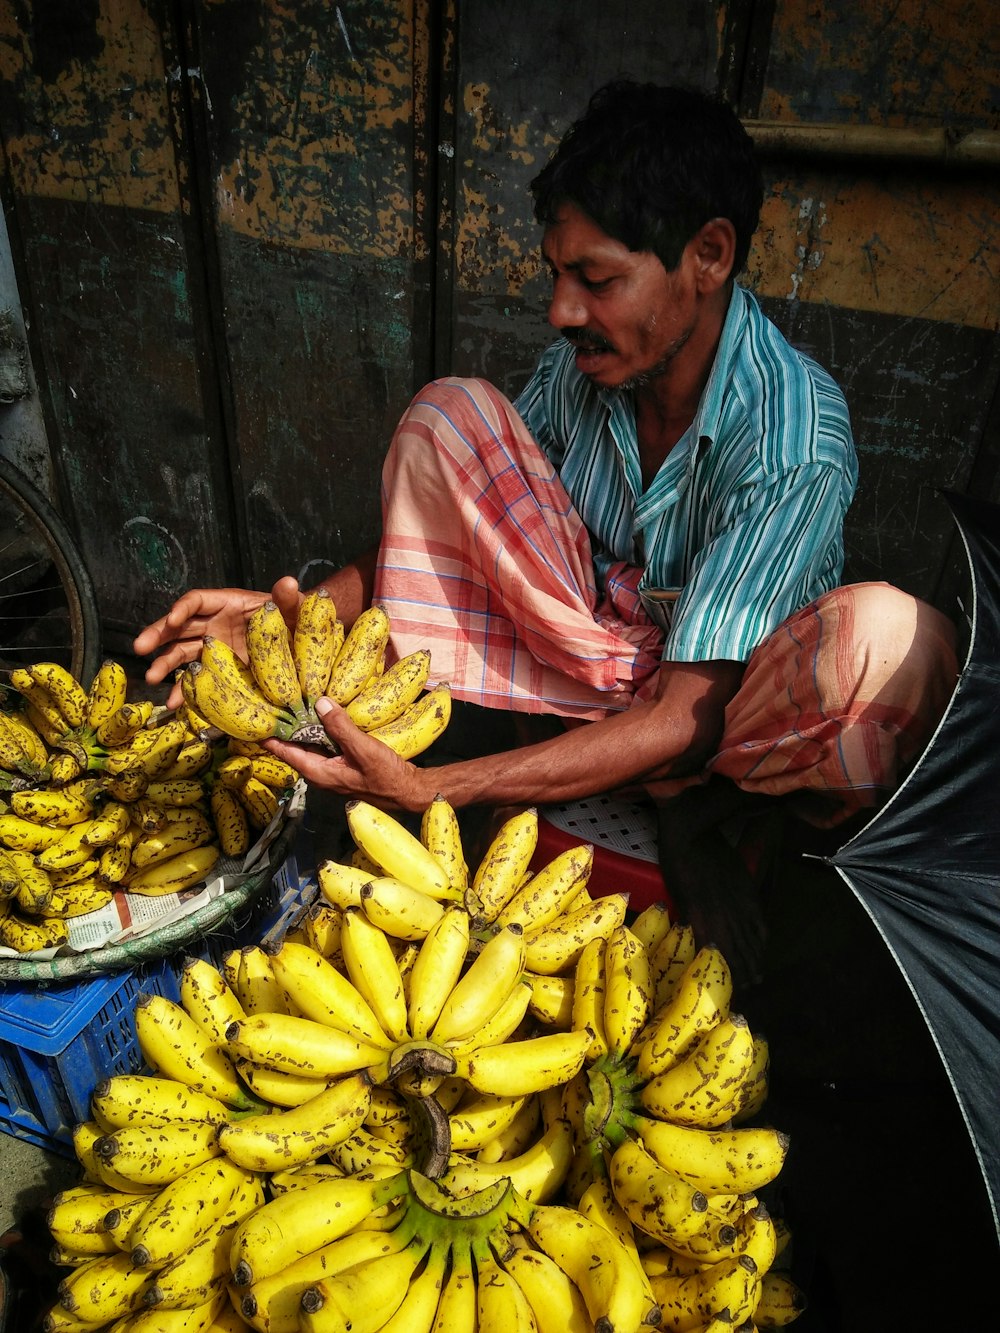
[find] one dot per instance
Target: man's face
(624, 313)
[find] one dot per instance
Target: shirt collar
(706, 420)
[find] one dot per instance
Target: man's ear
(714, 248)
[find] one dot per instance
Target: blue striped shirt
(743, 523)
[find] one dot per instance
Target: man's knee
(889, 630)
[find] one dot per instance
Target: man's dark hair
(651, 166)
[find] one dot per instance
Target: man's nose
(566, 306)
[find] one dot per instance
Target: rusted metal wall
(244, 231)
(219, 213)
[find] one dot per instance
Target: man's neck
(665, 406)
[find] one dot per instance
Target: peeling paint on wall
(896, 245)
(318, 152)
(100, 131)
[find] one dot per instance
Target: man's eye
(596, 284)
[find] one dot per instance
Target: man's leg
(833, 709)
(484, 560)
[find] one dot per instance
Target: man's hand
(221, 612)
(364, 768)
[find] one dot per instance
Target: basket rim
(160, 943)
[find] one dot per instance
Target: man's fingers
(287, 598)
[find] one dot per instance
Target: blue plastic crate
(59, 1040)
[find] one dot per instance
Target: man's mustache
(585, 338)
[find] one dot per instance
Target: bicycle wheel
(48, 611)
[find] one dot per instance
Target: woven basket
(159, 943)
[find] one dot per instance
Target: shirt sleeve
(779, 547)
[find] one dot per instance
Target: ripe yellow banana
(185, 1210)
(598, 1202)
(206, 997)
(119, 727)
(295, 1223)
(441, 834)
(589, 988)
(224, 696)
(668, 962)
(457, 1308)
(341, 884)
(398, 910)
(173, 839)
(557, 1303)
(596, 1261)
(437, 968)
(273, 772)
(69, 805)
(520, 1067)
(259, 801)
(628, 995)
(701, 1000)
(501, 1304)
(503, 1023)
(556, 948)
(655, 1200)
(505, 864)
(364, 1296)
(63, 689)
(104, 1289)
(544, 896)
(256, 986)
(779, 1300)
(373, 969)
(277, 1087)
(75, 1219)
(755, 1087)
(145, 1099)
(231, 823)
(418, 726)
(30, 936)
(360, 655)
(174, 1045)
(479, 1117)
(19, 730)
(732, 1284)
(269, 649)
(174, 874)
(324, 994)
(399, 852)
(537, 1172)
(386, 696)
(738, 1160)
(484, 987)
(156, 1155)
(551, 1000)
(316, 642)
(21, 834)
(300, 1046)
(705, 1086)
(299, 1134)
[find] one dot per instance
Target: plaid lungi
(484, 561)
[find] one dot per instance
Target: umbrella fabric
(927, 867)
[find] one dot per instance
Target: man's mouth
(587, 344)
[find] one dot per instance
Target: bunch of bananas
(440, 1102)
(274, 692)
(102, 794)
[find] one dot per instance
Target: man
(647, 544)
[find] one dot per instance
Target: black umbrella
(927, 866)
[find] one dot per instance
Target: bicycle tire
(48, 610)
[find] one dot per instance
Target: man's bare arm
(672, 733)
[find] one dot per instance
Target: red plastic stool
(623, 834)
